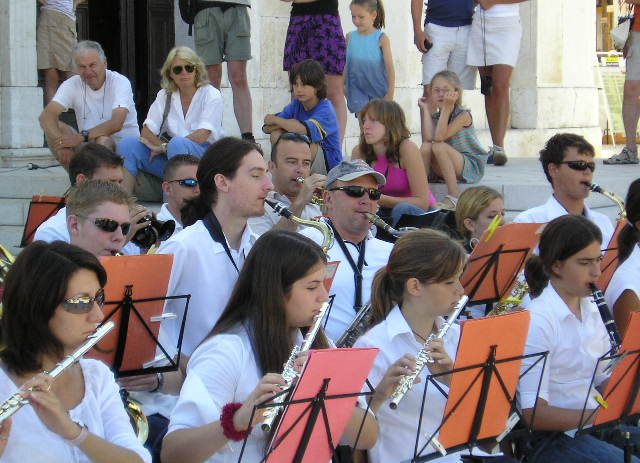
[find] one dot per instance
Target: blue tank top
(366, 75)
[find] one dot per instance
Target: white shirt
(101, 410)
(261, 225)
(201, 268)
(626, 276)
(343, 287)
(61, 6)
(93, 107)
(165, 214)
(205, 112)
(574, 347)
(553, 209)
(397, 428)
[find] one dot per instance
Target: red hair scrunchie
(226, 421)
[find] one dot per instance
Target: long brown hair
(390, 114)
(629, 235)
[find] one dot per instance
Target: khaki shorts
(55, 37)
(633, 57)
(223, 36)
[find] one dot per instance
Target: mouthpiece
(595, 188)
(300, 179)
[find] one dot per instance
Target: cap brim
(354, 175)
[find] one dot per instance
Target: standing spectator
(315, 33)
(192, 122)
(55, 38)
(369, 72)
(102, 100)
(222, 32)
(631, 94)
(494, 44)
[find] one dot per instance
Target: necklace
(418, 335)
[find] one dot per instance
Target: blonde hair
(188, 55)
(453, 80)
(471, 203)
(85, 198)
(389, 114)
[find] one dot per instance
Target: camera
(486, 82)
(164, 137)
(155, 231)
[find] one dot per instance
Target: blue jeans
(401, 209)
(136, 154)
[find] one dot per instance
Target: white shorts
(494, 40)
(633, 57)
(449, 52)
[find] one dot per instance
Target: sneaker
(497, 155)
(626, 156)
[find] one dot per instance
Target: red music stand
(41, 208)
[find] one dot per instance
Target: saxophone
(289, 373)
(17, 401)
(6, 259)
(513, 299)
(358, 326)
(378, 222)
(622, 213)
(406, 383)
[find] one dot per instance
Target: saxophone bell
(284, 211)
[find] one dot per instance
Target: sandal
(497, 155)
(453, 202)
(626, 156)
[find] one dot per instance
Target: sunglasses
(83, 304)
(109, 225)
(359, 191)
(187, 67)
(580, 165)
(186, 182)
(292, 136)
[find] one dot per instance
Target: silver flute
(16, 401)
(423, 357)
(289, 373)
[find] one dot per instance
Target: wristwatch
(85, 134)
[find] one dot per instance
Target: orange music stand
(136, 292)
(610, 261)
(41, 208)
(497, 259)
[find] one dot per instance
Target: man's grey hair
(87, 45)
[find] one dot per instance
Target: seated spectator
(102, 101)
(385, 146)
(477, 208)
(309, 113)
(180, 185)
(290, 163)
(185, 118)
(450, 147)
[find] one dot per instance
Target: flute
(406, 383)
(16, 401)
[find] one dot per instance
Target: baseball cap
(351, 170)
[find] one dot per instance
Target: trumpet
(406, 383)
(16, 401)
(327, 233)
(317, 195)
(619, 202)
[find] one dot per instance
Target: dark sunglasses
(359, 191)
(109, 225)
(292, 136)
(186, 182)
(187, 67)
(83, 304)
(580, 165)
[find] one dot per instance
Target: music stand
(610, 260)
(497, 260)
(41, 208)
(485, 375)
(135, 302)
(326, 391)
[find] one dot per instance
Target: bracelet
(226, 421)
(160, 379)
(77, 441)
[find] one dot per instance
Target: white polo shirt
(626, 276)
(343, 287)
(165, 214)
(397, 428)
(263, 224)
(553, 209)
(574, 347)
(202, 268)
(93, 107)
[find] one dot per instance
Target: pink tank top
(397, 180)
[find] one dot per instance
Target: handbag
(620, 33)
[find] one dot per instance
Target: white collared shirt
(165, 214)
(397, 428)
(553, 209)
(574, 347)
(343, 287)
(201, 268)
(263, 224)
(626, 276)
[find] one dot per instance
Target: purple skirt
(317, 37)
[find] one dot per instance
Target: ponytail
(384, 295)
(536, 277)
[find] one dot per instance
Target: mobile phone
(486, 82)
(428, 44)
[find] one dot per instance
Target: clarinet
(289, 373)
(406, 383)
(358, 326)
(609, 323)
(16, 401)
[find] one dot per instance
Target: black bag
(188, 11)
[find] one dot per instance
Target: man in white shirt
(102, 101)
(567, 161)
(352, 191)
(180, 184)
(291, 161)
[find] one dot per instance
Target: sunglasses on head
(187, 67)
(83, 304)
(580, 165)
(186, 182)
(358, 191)
(293, 136)
(109, 225)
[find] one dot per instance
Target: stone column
(20, 98)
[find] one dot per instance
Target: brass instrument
(513, 299)
(17, 401)
(289, 373)
(619, 202)
(358, 326)
(6, 259)
(137, 418)
(327, 233)
(378, 222)
(406, 383)
(317, 195)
